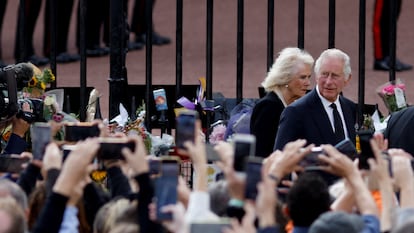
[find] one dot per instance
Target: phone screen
(242, 150)
(185, 128)
(166, 187)
(366, 150)
(253, 170)
(12, 164)
(113, 150)
(40, 134)
(74, 133)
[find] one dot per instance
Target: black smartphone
(347, 148)
(78, 132)
(12, 163)
(366, 150)
(111, 148)
(253, 176)
(166, 186)
(40, 134)
(244, 146)
(185, 127)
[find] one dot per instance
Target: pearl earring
(286, 85)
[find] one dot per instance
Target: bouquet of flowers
(393, 95)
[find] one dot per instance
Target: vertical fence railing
(332, 21)
(121, 73)
(270, 32)
(82, 51)
(393, 36)
(301, 24)
(361, 60)
(53, 38)
(148, 62)
(240, 43)
(179, 50)
(209, 56)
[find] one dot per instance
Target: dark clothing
(118, 183)
(139, 22)
(51, 216)
(264, 123)
(381, 27)
(31, 13)
(15, 145)
(63, 17)
(307, 119)
(400, 130)
(27, 179)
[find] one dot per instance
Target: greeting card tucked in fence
(393, 95)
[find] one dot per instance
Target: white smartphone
(244, 147)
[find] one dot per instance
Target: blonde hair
(285, 66)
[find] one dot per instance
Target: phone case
(166, 186)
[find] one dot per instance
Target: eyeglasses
(333, 76)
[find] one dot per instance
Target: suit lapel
(320, 117)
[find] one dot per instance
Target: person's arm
(403, 177)
(199, 204)
(138, 163)
(17, 142)
(379, 170)
(74, 171)
(339, 164)
(28, 177)
(118, 183)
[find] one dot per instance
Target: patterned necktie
(339, 128)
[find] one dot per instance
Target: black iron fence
(118, 75)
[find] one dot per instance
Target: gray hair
(285, 66)
(15, 192)
(334, 53)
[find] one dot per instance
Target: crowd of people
(55, 192)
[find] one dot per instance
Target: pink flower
(217, 134)
(388, 90)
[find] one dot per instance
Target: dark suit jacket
(264, 123)
(400, 130)
(307, 119)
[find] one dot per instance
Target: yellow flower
(33, 82)
(42, 85)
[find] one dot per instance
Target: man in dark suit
(400, 130)
(312, 117)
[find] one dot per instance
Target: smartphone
(211, 154)
(12, 163)
(311, 161)
(366, 150)
(111, 148)
(40, 134)
(347, 148)
(244, 146)
(154, 166)
(253, 176)
(185, 127)
(166, 186)
(209, 227)
(78, 132)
